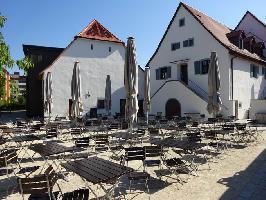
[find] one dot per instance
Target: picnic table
(98, 171)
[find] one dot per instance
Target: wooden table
(98, 171)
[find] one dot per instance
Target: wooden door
(172, 108)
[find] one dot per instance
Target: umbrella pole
(147, 118)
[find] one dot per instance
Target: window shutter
(157, 74)
(251, 70)
(197, 67)
(258, 70)
(169, 72)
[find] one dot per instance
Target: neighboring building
(41, 57)
(20, 80)
(99, 54)
(7, 85)
(253, 27)
(179, 66)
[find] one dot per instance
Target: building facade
(41, 57)
(20, 81)
(99, 54)
(179, 67)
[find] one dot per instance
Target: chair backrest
(38, 184)
(241, 127)
(75, 131)
(152, 151)
(81, 194)
(8, 156)
(114, 126)
(134, 153)
(228, 127)
(82, 142)
(101, 139)
(51, 133)
(194, 136)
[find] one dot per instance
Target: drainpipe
(232, 76)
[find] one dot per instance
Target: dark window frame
(175, 46)
(163, 73)
(182, 22)
(254, 71)
(201, 67)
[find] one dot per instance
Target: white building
(253, 27)
(179, 66)
(99, 54)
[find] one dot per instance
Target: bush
(8, 105)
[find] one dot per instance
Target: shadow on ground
(249, 183)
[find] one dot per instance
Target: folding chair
(41, 184)
(154, 152)
(80, 194)
(136, 154)
(101, 142)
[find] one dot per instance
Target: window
(264, 72)
(241, 43)
(163, 73)
(100, 104)
(91, 46)
(185, 43)
(175, 46)
(202, 66)
(110, 49)
(182, 22)
(254, 71)
(188, 43)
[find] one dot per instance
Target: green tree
(6, 60)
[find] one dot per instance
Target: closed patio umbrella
(214, 98)
(48, 94)
(76, 108)
(131, 82)
(147, 97)
(108, 93)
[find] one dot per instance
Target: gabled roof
(96, 31)
(249, 13)
(217, 30)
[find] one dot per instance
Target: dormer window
(237, 38)
(182, 22)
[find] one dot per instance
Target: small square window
(175, 46)
(182, 22)
(254, 71)
(100, 104)
(91, 46)
(190, 42)
(110, 49)
(185, 43)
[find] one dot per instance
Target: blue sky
(56, 22)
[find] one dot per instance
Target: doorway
(172, 108)
(184, 73)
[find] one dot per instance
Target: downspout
(232, 76)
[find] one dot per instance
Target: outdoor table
(49, 149)
(98, 171)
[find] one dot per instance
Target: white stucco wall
(190, 103)
(251, 25)
(141, 83)
(204, 44)
(246, 87)
(95, 65)
(257, 107)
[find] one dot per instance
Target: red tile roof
(96, 31)
(217, 30)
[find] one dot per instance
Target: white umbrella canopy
(108, 95)
(214, 98)
(48, 94)
(131, 82)
(147, 97)
(76, 109)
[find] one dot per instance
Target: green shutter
(197, 67)
(157, 74)
(169, 72)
